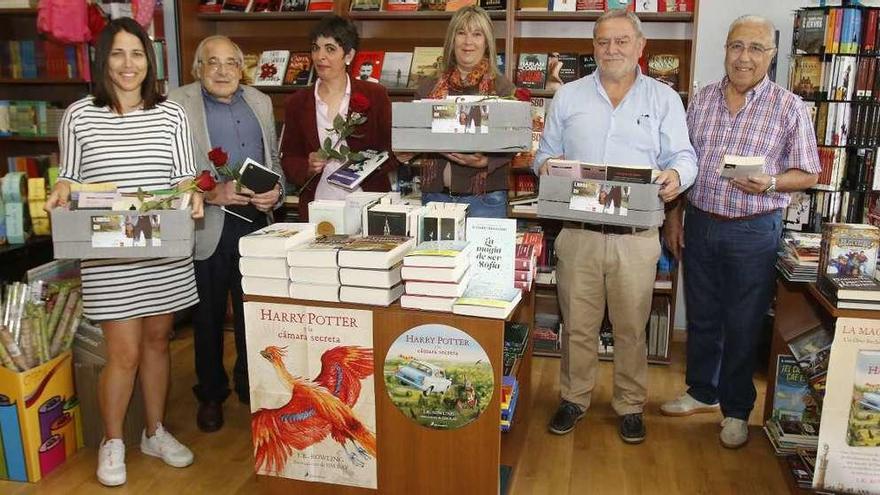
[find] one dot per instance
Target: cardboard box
(40, 419)
(89, 358)
(504, 127)
(642, 207)
(122, 234)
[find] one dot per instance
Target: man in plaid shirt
(733, 226)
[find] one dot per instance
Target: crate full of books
(603, 194)
(465, 124)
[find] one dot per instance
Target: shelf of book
(261, 16)
(41, 81)
(417, 15)
(30, 139)
(18, 11)
(522, 15)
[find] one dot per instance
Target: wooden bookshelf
(42, 81)
(589, 16)
(30, 139)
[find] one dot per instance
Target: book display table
(410, 457)
(799, 308)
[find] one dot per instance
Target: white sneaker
(164, 446)
(111, 462)
(687, 405)
(734, 433)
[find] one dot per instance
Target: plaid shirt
(774, 123)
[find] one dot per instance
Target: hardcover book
(293, 5)
(791, 393)
(665, 68)
(395, 69)
(494, 250)
(258, 179)
(587, 64)
(810, 33)
(375, 251)
(367, 65)
(561, 68)
(425, 64)
(401, 5)
(321, 252)
(488, 301)
(299, 69)
(273, 241)
(531, 71)
(848, 249)
(271, 68)
(350, 175)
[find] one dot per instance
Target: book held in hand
(741, 167)
(350, 175)
(258, 179)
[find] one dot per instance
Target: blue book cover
(792, 393)
(27, 51)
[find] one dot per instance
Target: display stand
(415, 459)
(799, 308)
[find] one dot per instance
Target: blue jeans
(729, 282)
(490, 205)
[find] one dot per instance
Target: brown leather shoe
(210, 416)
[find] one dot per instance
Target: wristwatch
(772, 187)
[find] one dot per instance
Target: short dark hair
(340, 29)
(105, 92)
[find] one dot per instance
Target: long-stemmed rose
(358, 105)
(204, 182)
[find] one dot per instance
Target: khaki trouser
(594, 269)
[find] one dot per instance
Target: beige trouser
(592, 269)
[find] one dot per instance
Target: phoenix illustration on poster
(313, 412)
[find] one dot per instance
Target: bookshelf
(20, 25)
(515, 31)
(834, 70)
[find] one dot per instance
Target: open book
(740, 167)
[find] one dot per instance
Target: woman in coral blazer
(308, 113)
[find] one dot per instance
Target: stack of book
(264, 255)
(314, 271)
(435, 273)
(847, 265)
(370, 269)
(509, 396)
(799, 256)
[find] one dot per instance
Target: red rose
(359, 103)
(205, 181)
(522, 94)
(218, 157)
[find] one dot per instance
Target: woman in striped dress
(127, 134)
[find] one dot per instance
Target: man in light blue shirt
(614, 116)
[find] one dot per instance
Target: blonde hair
(476, 19)
(200, 50)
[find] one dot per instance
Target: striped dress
(150, 149)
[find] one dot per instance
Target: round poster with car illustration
(438, 376)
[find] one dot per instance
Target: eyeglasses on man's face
(754, 49)
(214, 65)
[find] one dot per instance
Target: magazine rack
(415, 459)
